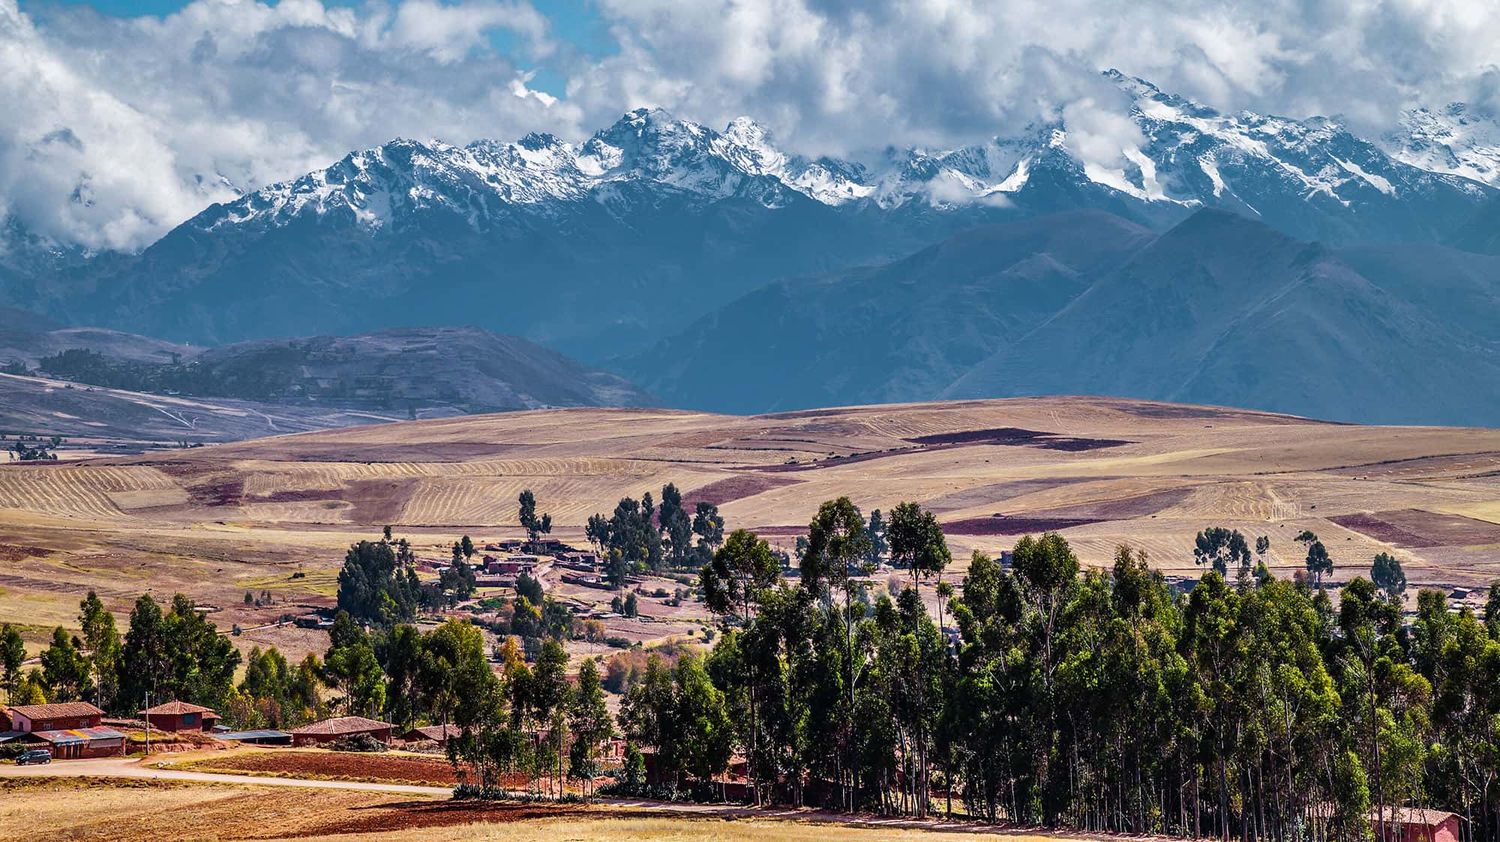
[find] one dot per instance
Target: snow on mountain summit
(1188, 155)
(1453, 140)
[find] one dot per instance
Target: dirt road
(124, 767)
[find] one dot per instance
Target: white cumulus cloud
(115, 129)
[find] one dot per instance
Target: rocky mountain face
(659, 227)
(1219, 309)
(601, 247)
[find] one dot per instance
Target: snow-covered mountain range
(597, 246)
(1188, 155)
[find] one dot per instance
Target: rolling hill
(104, 388)
(217, 521)
(1219, 309)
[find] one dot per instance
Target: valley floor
(272, 517)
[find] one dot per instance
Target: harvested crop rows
(212, 520)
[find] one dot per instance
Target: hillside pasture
(215, 522)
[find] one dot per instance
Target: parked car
(35, 755)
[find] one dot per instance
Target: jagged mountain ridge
(599, 247)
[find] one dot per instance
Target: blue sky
(576, 22)
(151, 118)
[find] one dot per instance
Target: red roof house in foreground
(180, 716)
(329, 730)
(68, 729)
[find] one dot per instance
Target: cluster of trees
(640, 535)
(35, 449)
(269, 374)
(1104, 700)
(1101, 700)
(176, 654)
(378, 582)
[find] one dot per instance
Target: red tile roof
(343, 725)
(175, 708)
(1413, 815)
(438, 733)
(57, 711)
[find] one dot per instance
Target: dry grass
(218, 521)
(111, 810)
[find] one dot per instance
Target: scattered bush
(358, 742)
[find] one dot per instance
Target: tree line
(1104, 700)
(1036, 691)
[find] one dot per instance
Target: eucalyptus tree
(734, 581)
(837, 552)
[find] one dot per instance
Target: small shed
(180, 716)
(1409, 824)
(98, 741)
(329, 730)
(264, 737)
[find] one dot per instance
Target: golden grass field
(217, 521)
(110, 810)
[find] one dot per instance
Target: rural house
(180, 716)
(1405, 824)
(434, 733)
(68, 729)
(329, 730)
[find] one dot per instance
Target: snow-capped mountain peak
(1185, 155)
(1454, 139)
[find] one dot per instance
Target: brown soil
(384, 768)
(1437, 529)
(1017, 437)
(12, 552)
(1368, 524)
(1141, 505)
(1013, 525)
(435, 814)
(734, 488)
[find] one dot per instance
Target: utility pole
(148, 722)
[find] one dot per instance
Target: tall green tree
(378, 583)
(12, 656)
(1388, 576)
(589, 723)
(1220, 549)
(102, 645)
(838, 550)
(65, 669)
(146, 663)
(676, 526)
(535, 526)
(352, 668)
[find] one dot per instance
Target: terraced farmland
(217, 521)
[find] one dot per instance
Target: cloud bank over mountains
(117, 129)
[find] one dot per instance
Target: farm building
(264, 737)
(329, 730)
(1404, 824)
(430, 733)
(513, 566)
(69, 729)
(180, 716)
